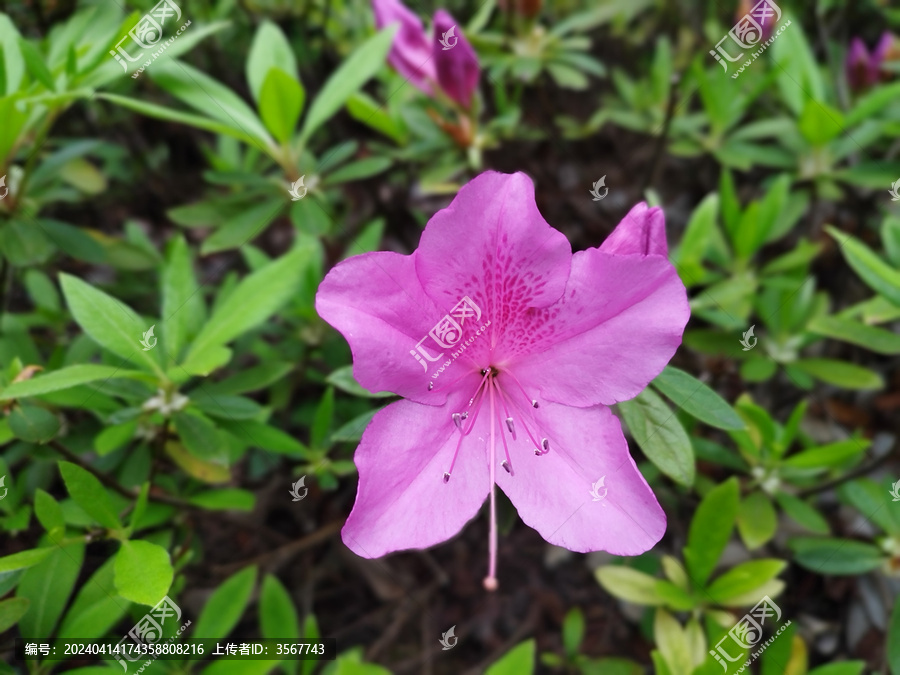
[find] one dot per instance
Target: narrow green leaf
(48, 586)
(756, 520)
(829, 555)
(882, 278)
(803, 513)
(828, 456)
(280, 104)
(11, 611)
(629, 584)
(65, 378)
(226, 605)
(744, 578)
(110, 323)
(660, 435)
(874, 339)
(23, 559)
(89, 494)
(270, 49)
(277, 615)
(253, 300)
(352, 74)
(697, 399)
(48, 511)
(183, 310)
(34, 61)
(840, 373)
(97, 607)
(228, 499)
(893, 641)
(33, 424)
(710, 530)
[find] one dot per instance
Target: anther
(457, 420)
(534, 404)
(465, 415)
(505, 465)
(430, 386)
(446, 477)
(511, 427)
(545, 444)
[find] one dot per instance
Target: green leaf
(873, 270)
(842, 668)
(65, 378)
(893, 641)
(756, 520)
(629, 584)
(270, 49)
(34, 61)
(870, 498)
(226, 605)
(11, 611)
(744, 578)
(365, 110)
(840, 373)
(343, 379)
(710, 530)
(211, 98)
(97, 607)
(874, 339)
(517, 661)
(259, 435)
(89, 494)
(33, 424)
(229, 499)
(802, 513)
(48, 511)
(828, 456)
(114, 437)
(573, 630)
(829, 555)
(352, 74)
(199, 436)
(180, 117)
(660, 435)
(110, 323)
(23, 559)
(243, 227)
(183, 310)
(280, 104)
(277, 615)
(254, 299)
(143, 572)
(697, 399)
(820, 123)
(672, 642)
(48, 586)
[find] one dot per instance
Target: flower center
(489, 388)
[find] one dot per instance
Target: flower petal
(377, 303)
(618, 326)
(642, 231)
(457, 66)
(553, 493)
(402, 501)
(410, 53)
(492, 244)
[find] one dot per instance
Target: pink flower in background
(445, 60)
(507, 349)
(865, 70)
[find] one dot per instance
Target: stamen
(465, 432)
(430, 386)
(490, 581)
(524, 424)
(534, 404)
(457, 420)
(505, 465)
(511, 427)
(446, 477)
(545, 444)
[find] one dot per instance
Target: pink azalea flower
(446, 59)
(507, 349)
